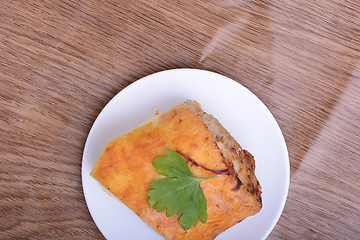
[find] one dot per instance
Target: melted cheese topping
(125, 169)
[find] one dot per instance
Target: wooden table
(62, 61)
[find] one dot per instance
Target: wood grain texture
(62, 61)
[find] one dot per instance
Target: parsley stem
(208, 177)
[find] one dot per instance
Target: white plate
(241, 113)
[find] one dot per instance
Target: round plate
(240, 112)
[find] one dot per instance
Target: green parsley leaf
(180, 192)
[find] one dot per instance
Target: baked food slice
(125, 169)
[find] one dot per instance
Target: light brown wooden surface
(62, 61)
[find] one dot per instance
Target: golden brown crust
(125, 169)
(240, 160)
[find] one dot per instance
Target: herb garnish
(180, 192)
